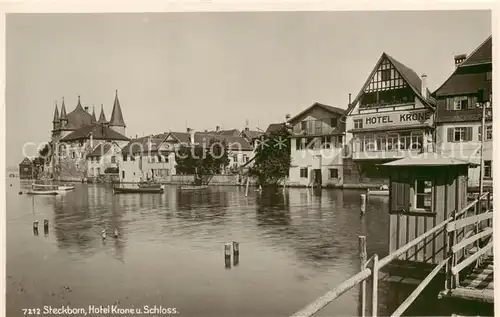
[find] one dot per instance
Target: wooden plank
(486, 296)
(410, 233)
(467, 221)
(324, 300)
(402, 308)
(402, 230)
(393, 232)
(456, 269)
(420, 231)
(471, 240)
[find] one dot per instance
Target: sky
(202, 70)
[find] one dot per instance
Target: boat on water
(59, 188)
(150, 185)
(138, 190)
(194, 187)
(42, 192)
(377, 192)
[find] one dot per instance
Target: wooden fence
(463, 230)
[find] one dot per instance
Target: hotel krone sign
(398, 118)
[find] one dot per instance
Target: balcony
(317, 127)
(386, 146)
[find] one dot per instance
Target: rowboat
(377, 192)
(138, 190)
(194, 187)
(60, 188)
(65, 187)
(42, 192)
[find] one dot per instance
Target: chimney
(188, 130)
(423, 91)
(287, 117)
(217, 129)
(459, 59)
(86, 109)
(349, 98)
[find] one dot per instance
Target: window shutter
(401, 196)
(472, 102)
(479, 131)
(468, 133)
(450, 135)
(449, 103)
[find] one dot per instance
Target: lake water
(294, 247)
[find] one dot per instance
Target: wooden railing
(453, 263)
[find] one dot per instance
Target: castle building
(77, 134)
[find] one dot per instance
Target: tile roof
(461, 82)
(116, 115)
(142, 144)
(77, 118)
(328, 108)
(427, 159)
(234, 132)
(26, 161)
(99, 131)
(100, 150)
(275, 127)
(252, 134)
(234, 142)
(482, 54)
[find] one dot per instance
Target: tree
(272, 158)
(203, 162)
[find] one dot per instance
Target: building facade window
(488, 76)
(98, 171)
(124, 157)
(113, 159)
(385, 74)
(303, 125)
(459, 134)
(489, 133)
(487, 169)
(303, 172)
(358, 123)
(423, 194)
(461, 102)
(334, 173)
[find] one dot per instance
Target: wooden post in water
(227, 255)
(363, 203)
(35, 227)
(236, 253)
(103, 234)
(375, 286)
(46, 226)
(362, 262)
(248, 184)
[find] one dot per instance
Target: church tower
(116, 122)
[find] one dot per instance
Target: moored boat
(42, 192)
(194, 187)
(137, 190)
(377, 192)
(60, 188)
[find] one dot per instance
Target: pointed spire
(79, 105)
(102, 117)
(116, 115)
(94, 120)
(63, 111)
(56, 115)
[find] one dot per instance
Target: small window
(98, 171)
(460, 103)
(303, 125)
(333, 122)
(459, 134)
(423, 194)
(113, 159)
(317, 126)
(386, 74)
(132, 157)
(123, 174)
(303, 172)
(334, 173)
(358, 123)
(487, 169)
(124, 157)
(489, 132)
(488, 76)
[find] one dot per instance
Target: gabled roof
(26, 161)
(99, 132)
(100, 150)
(116, 115)
(334, 110)
(481, 55)
(427, 159)
(275, 127)
(141, 144)
(463, 83)
(408, 74)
